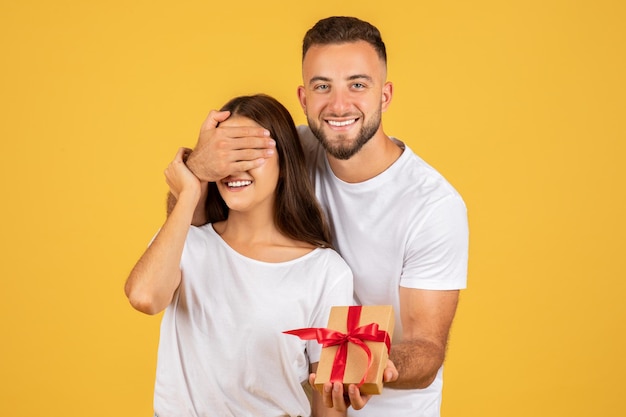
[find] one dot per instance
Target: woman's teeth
(235, 184)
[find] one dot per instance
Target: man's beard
(342, 151)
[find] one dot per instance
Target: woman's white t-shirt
(222, 351)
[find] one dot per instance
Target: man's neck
(375, 157)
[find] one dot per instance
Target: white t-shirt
(222, 351)
(405, 227)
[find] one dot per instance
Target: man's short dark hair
(344, 29)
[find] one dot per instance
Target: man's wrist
(195, 165)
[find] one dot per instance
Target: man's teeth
(339, 124)
(238, 183)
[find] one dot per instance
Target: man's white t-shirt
(405, 227)
(222, 351)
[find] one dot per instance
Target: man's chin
(341, 152)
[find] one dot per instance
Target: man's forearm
(171, 202)
(417, 361)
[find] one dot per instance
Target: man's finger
(214, 118)
(357, 400)
(232, 132)
(245, 136)
(247, 132)
(251, 154)
(339, 400)
(243, 166)
(327, 397)
(252, 142)
(390, 373)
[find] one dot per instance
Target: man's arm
(414, 362)
(426, 316)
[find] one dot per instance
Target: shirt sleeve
(437, 253)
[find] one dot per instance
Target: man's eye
(322, 87)
(358, 85)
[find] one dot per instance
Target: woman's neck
(240, 227)
(259, 238)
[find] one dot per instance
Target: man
(396, 221)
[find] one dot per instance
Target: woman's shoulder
(331, 259)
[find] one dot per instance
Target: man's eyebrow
(318, 78)
(350, 78)
(360, 77)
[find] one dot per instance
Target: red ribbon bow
(357, 335)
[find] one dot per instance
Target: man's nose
(339, 102)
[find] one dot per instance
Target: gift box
(356, 346)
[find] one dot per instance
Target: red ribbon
(356, 335)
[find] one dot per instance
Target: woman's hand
(179, 178)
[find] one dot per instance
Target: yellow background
(519, 104)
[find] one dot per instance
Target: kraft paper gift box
(371, 326)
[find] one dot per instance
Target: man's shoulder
(307, 137)
(416, 179)
(313, 151)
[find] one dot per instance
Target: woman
(263, 264)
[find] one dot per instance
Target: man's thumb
(214, 118)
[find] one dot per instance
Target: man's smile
(343, 123)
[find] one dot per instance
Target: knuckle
(221, 145)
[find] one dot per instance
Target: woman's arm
(156, 276)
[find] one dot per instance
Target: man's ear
(302, 97)
(386, 95)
